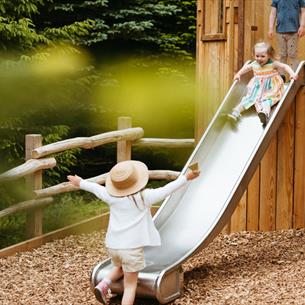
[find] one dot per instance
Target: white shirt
(130, 225)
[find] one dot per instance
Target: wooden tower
(226, 33)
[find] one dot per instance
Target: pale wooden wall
(275, 197)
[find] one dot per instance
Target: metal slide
(193, 216)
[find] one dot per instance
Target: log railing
(126, 136)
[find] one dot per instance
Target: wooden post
(124, 147)
(239, 217)
(33, 182)
(268, 188)
(253, 202)
(299, 165)
(285, 164)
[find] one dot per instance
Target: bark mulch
(242, 268)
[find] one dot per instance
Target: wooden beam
(26, 205)
(129, 134)
(29, 167)
(165, 143)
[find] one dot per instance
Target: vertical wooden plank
(239, 218)
(248, 22)
(230, 43)
(253, 202)
(299, 165)
(268, 188)
(33, 182)
(259, 22)
(124, 147)
(199, 73)
(241, 34)
(285, 161)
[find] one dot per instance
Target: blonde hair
(265, 45)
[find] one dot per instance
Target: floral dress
(264, 90)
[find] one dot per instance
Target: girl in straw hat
(131, 226)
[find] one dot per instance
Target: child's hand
(294, 76)
(237, 77)
(74, 180)
(192, 174)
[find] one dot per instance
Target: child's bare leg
(130, 286)
(114, 274)
(101, 290)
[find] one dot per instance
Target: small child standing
(131, 226)
(290, 17)
(266, 88)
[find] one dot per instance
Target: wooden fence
(125, 137)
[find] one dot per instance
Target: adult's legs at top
(288, 49)
(282, 47)
(292, 50)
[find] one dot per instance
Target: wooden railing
(126, 136)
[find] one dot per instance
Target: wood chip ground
(241, 268)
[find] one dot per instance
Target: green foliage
(130, 26)
(71, 209)
(67, 210)
(19, 32)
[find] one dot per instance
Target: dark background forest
(71, 68)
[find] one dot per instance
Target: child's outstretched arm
(285, 67)
(98, 190)
(152, 196)
(246, 68)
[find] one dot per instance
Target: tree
(19, 33)
(134, 27)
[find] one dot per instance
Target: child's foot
(263, 118)
(101, 292)
(234, 116)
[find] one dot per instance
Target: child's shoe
(263, 118)
(234, 116)
(101, 291)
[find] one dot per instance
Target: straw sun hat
(126, 178)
